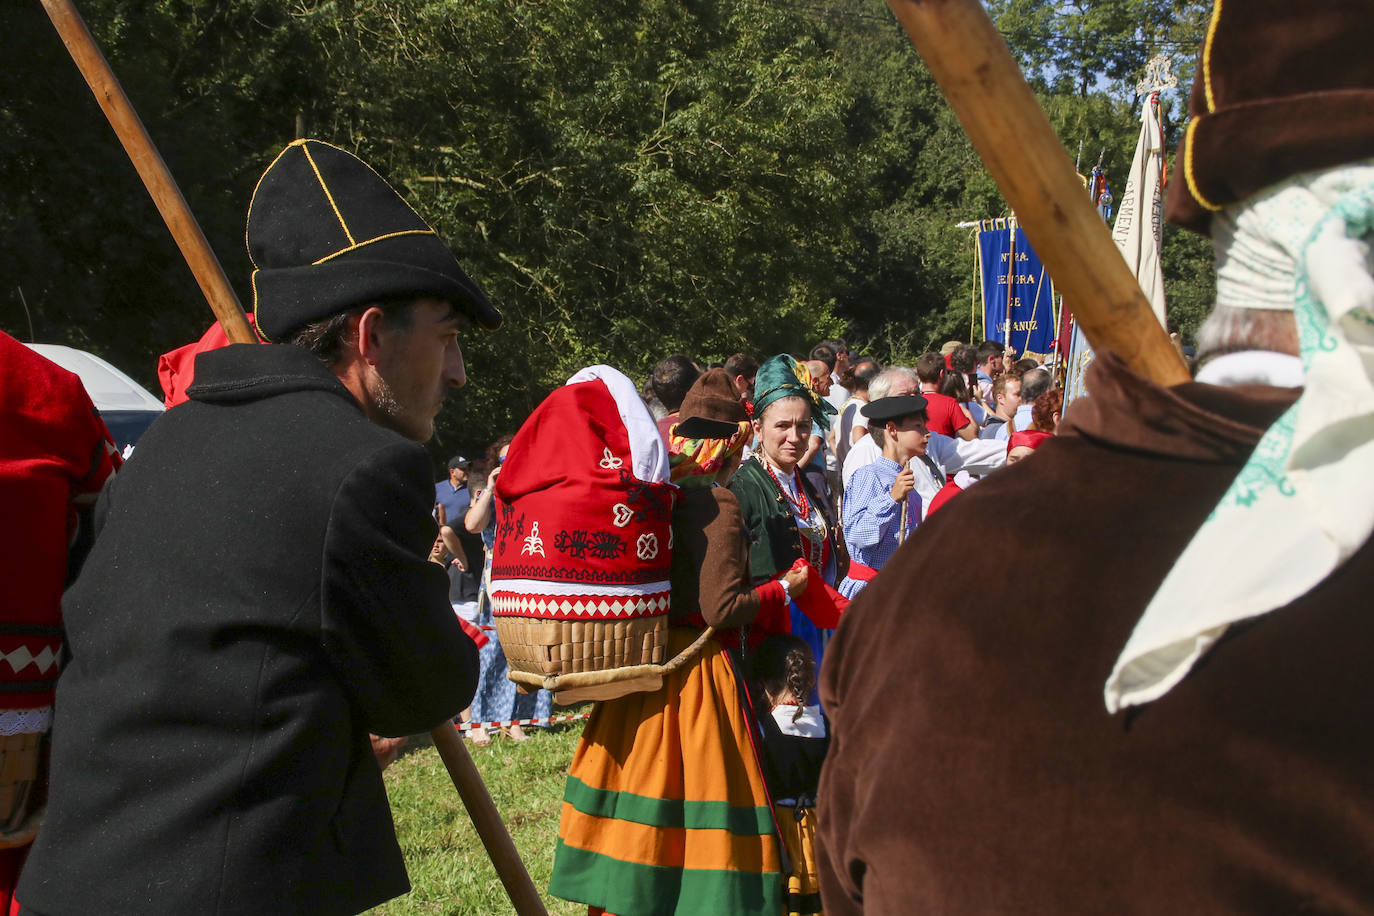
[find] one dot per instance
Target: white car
(126, 406)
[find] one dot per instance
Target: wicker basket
(550, 648)
(21, 758)
(590, 659)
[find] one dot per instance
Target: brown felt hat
(1282, 88)
(711, 409)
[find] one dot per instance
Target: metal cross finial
(1159, 75)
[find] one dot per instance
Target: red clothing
(947, 492)
(54, 451)
(821, 604)
(944, 415)
(176, 368)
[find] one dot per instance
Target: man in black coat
(259, 597)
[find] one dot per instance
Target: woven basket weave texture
(550, 648)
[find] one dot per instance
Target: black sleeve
(385, 618)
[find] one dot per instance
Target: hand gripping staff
(984, 86)
(213, 282)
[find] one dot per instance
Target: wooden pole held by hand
(213, 282)
(1001, 115)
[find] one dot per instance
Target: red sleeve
(176, 368)
(105, 460)
(822, 604)
(773, 616)
(957, 418)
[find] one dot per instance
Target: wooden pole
(213, 282)
(500, 847)
(146, 159)
(984, 86)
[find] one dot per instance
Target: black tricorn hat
(894, 408)
(327, 233)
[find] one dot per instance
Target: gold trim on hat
(356, 245)
(253, 283)
(1188, 146)
(328, 194)
(1207, 59)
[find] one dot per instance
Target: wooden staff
(213, 282)
(500, 847)
(984, 86)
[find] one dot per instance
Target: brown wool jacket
(711, 562)
(974, 768)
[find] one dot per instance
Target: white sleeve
(977, 456)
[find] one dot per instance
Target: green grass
(450, 873)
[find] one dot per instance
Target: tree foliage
(912, 277)
(626, 178)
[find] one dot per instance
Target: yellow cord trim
(252, 199)
(1207, 58)
(1188, 168)
(257, 307)
(328, 196)
(356, 245)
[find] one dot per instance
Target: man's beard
(396, 415)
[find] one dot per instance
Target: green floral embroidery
(1267, 468)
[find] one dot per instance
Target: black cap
(458, 462)
(885, 409)
(327, 233)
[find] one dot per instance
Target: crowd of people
(800, 475)
(968, 395)
(854, 489)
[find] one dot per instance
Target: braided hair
(783, 664)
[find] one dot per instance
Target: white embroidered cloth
(648, 454)
(1304, 502)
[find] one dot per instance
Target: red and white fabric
(584, 507)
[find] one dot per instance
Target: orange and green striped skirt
(797, 826)
(665, 810)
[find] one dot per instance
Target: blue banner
(1018, 296)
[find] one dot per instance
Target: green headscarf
(783, 377)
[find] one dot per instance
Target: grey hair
(881, 386)
(1035, 383)
(1229, 329)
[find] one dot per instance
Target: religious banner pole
(215, 284)
(975, 70)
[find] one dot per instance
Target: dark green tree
(626, 180)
